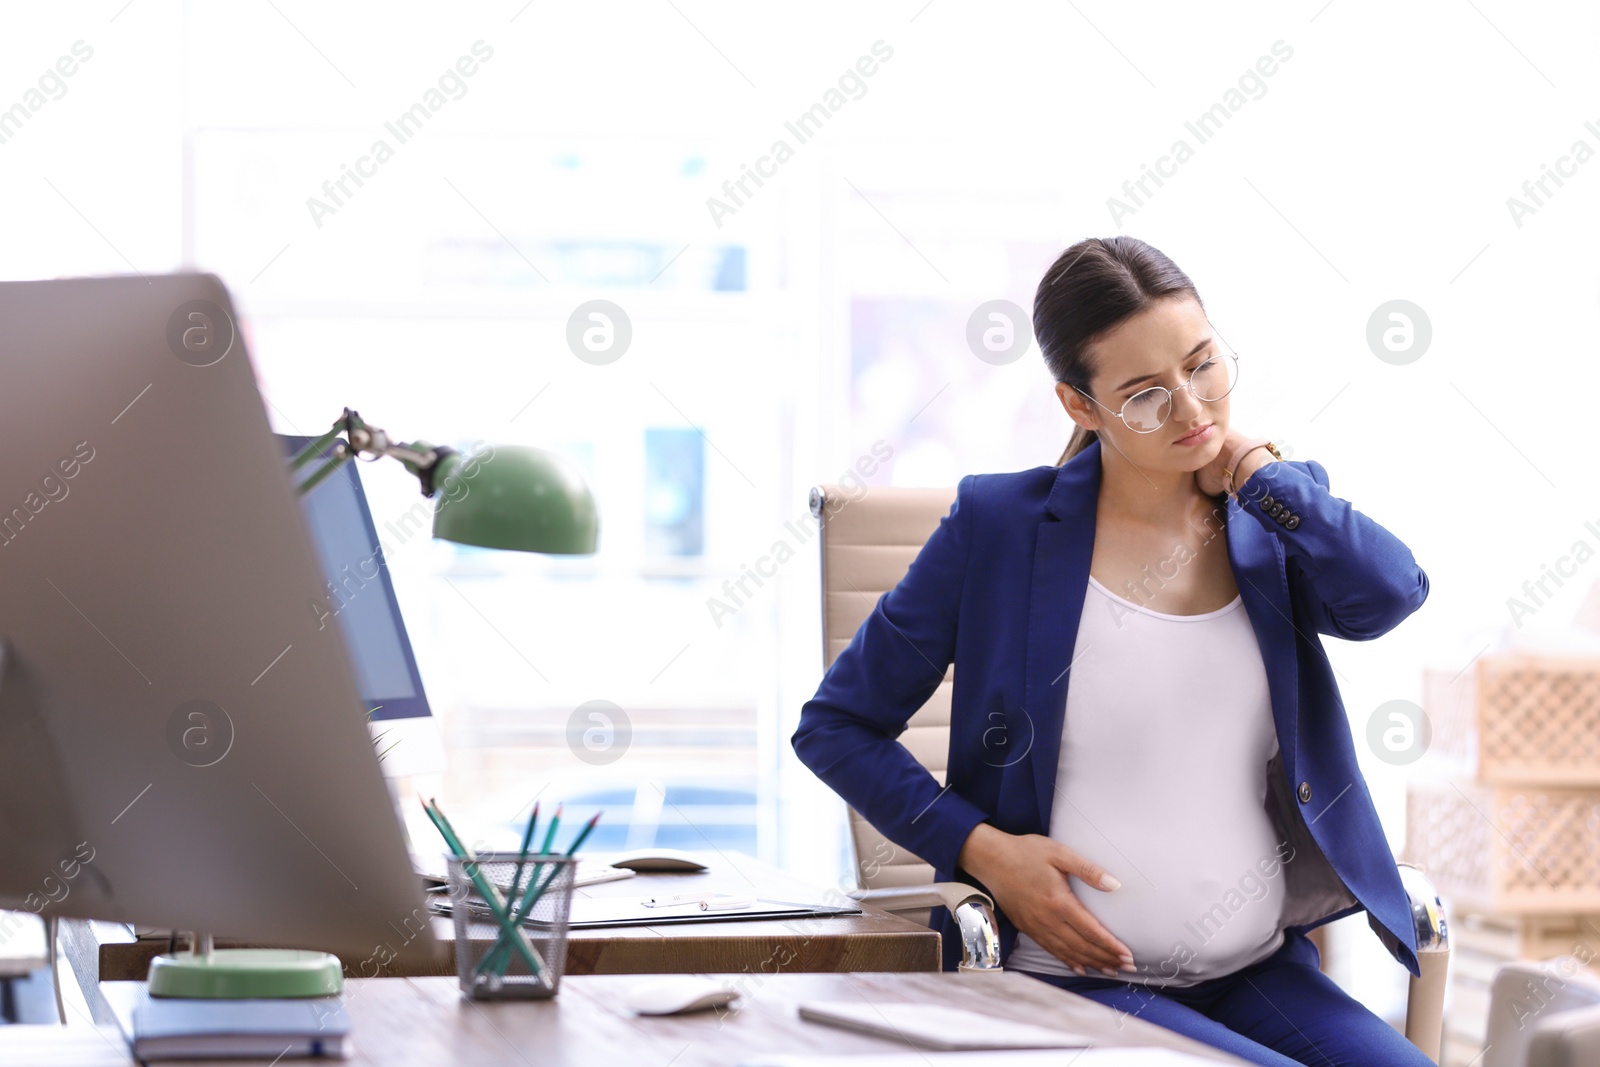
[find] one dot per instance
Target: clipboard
(591, 912)
(596, 912)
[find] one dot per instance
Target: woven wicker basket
(1522, 849)
(1518, 719)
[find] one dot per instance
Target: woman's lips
(1199, 436)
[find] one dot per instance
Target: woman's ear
(1077, 408)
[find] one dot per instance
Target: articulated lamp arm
(529, 500)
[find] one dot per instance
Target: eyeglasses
(1148, 410)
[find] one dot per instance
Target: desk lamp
(509, 497)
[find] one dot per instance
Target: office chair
(1543, 1014)
(868, 542)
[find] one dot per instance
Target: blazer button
(1305, 792)
(1282, 516)
(1292, 523)
(1267, 502)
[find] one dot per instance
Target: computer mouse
(658, 860)
(678, 993)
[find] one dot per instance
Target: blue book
(181, 1028)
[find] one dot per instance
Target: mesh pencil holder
(487, 972)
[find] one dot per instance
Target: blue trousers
(1282, 1011)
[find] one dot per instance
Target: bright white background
(1375, 165)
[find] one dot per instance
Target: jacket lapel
(1258, 569)
(1062, 553)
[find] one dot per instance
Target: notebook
(936, 1026)
(181, 1028)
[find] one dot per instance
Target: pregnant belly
(1192, 908)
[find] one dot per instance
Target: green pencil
(536, 889)
(497, 904)
(533, 896)
(550, 834)
(493, 956)
(522, 857)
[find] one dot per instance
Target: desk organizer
(545, 925)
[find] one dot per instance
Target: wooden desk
(871, 941)
(426, 1021)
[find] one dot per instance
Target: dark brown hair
(1089, 290)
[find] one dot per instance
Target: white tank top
(1162, 781)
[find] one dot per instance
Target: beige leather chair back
(869, 538)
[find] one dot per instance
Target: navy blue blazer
(999, 587)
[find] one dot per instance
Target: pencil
(536, 889)
(522, 856)
(550, 834)
(530, 898)
(497, 905)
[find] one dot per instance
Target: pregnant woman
(1150, 767)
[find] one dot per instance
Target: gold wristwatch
(1239, 453)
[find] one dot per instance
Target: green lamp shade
(525, 499)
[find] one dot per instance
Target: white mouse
(678, 993)
(658, 860)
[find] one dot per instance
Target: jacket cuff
(942, 830)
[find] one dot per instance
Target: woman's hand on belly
(1028, 877)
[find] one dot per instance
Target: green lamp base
(241, 973)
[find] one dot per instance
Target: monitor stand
(244, 973)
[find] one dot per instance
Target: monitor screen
(359, 592)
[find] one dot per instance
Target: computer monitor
(181, 744)
(359, 598)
